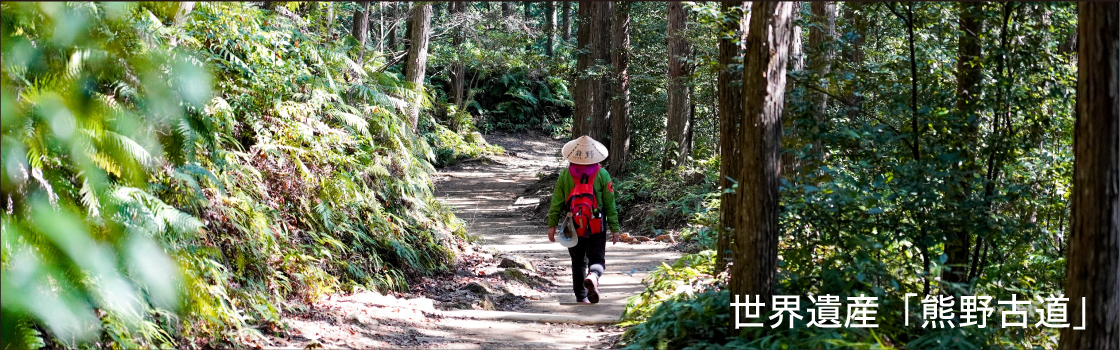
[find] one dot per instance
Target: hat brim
(567, 242)
(584, 150)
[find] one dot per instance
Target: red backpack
(584, 207)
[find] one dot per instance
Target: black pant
(588, 256)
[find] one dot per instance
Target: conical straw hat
(584, 150)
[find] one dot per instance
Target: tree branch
(813, 87)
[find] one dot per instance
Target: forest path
(491, 199)
(490, 196)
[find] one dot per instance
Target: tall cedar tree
(581, 115)
(1093, 264)
(853, 13)
(821, 35)
(391, 36)
(968, 100)
(601, 56)
(676, 146)
(821, 54)
(458, 69)
(764, 78)
(620, 89)
(566, 21)
(729, 83)
(326, 20)
(528, 23)
(796, 50)
(419, 28)
(549, 27)
(360, 28)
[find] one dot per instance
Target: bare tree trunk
(528, 20)
(730, 103)
(1093, 264)
(797, 50)
(820, 56)
(549, 26)
(360, 28)
(507, 9)
(392, 36)
(327, 20)
(566, 21)
(182, 12)
(968, 93)
(620, 105)
(420, 26)
(601, 56)
(581, 114)
(764, 79)
(408, 37)
(676, 149)
(853, 14)
(458, 70)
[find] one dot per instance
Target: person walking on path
(584, 195)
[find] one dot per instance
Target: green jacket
(604, 194)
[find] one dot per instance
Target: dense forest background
(179, 174)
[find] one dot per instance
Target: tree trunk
(601, 56)
(392, 35)
(730, 107)
(968, 93)
(549, 26)
(566, 21)
(797, 51)
(581, 114)
(1093, 264)
(853, 13)
(360, 28)
(764, 79)
(528, 22)
(326, 21)
(676, 149)
(821, 53)
(507, 9)
(408, 38)
(458, 69)
(418, 56)
(620, 105)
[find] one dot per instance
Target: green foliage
(695, 322)
(687, 276)
(853, 188)
(187, 182)
(451, 146)
(85, 103)
(506, 86)
(668, 200)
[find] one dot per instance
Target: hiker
(583, 199)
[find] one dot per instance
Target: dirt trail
(491, 199)
(490, 196)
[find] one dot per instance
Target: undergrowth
(269, 166)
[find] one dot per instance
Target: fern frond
(133, 149)
(351, 120)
